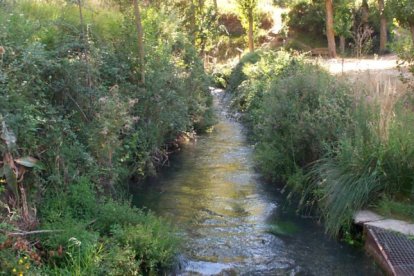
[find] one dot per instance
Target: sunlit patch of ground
(368, 72)
(337, 66)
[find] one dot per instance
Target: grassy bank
(337, 147)
(77, 124)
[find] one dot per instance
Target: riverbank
(231, 220)
(336, 145)
(80, 116)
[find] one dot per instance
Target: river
(234, 223)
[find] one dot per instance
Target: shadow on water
(232, 222)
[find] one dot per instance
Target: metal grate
(397, 248)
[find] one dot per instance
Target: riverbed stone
(364, 216)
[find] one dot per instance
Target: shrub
(249, 93)
(119, 260)
(118, 213)
(237, 75)
(74, 101)
(232, 24)
(307, 18)
(152, 245)
(221, 76)
(372, 160)
(304, 110)
(336, 148)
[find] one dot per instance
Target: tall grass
(374, 158)
(339, 147)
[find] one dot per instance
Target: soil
(370, 71)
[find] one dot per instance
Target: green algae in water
(283, 228)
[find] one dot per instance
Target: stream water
(232, 222)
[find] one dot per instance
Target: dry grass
(367, 72)
(376, 79)
(386, 97)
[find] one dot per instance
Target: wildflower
(14, 270)
(20, 274)
(20, 261)
(27, 266)
(75, 241)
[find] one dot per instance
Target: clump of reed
(373, 159)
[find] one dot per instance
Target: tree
(383, 27)
(140, 34)
(330, 34)
(343, 21)
(403, 11)
(215, 6)
(248, 9)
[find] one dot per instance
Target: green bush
(237, 75)
(304, 111)
(307, 18)
(249, 93)
(336, 152)
(90, 232)
(371, 161)
(72, 96)
(152, 247)
(119, 260)
(294, 109)
(221, 76)
(118, 213)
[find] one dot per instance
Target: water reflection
(231, 221)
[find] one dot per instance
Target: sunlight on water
(231, 221)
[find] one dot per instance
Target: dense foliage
(337, 148)
(77, 124)
(357, 24)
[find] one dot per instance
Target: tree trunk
(250, 32)
(383, 28)
(330, 35)
(342, 44)
(140, 34)
(215, 6)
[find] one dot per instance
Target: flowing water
(232, 222)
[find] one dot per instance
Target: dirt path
(369, 72)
